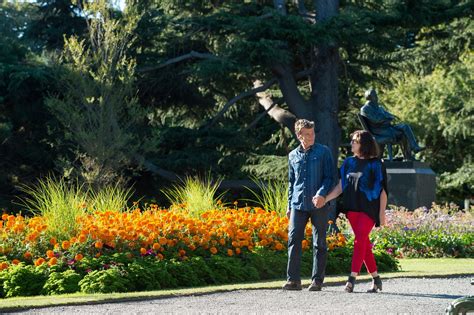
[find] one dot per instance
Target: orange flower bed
(163, 233)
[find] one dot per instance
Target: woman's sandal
(350, 284)
(376, 285)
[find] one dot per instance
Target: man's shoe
(315, 286)
(292, 285)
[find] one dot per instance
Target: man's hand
(319, 201)
(288, 213)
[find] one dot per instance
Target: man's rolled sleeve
(328, 175)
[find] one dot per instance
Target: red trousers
(362, 224)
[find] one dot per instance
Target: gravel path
(407, 296)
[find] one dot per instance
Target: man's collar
(300, 148)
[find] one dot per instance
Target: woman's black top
(362, 182)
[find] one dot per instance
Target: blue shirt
(310, 173)
(362, 182)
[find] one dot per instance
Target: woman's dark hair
(368, 146)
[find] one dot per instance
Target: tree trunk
(324, 103)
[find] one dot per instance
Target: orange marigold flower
(192, 247)
(98, 255)
(65, 245)
(213, 250)
(237, 251)
(50, 253)
(160, 257)
(82, 238)
(222, 241)
(156, 246)
(27, 255)
(3, 265)
(163, 241)
(279, 246)
(78, 257)
(4, 217)
(53, 261)
(53, 241)
(39, 261)
(15, 261)
(230, 252)
(182, 252)
(98, 244)
(143, 251)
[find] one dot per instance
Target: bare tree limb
(190, 55)
(261, 115)
(300, 75)
(279, 114)
(245, 94)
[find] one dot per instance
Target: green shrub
(21, 280)
(105, 281)
(141, 275)
(183, 273)
(62, 282)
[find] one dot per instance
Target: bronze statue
(379, 123)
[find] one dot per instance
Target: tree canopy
(184, 87)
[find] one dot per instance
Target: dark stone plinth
(411, 184)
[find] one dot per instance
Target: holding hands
(319, 201)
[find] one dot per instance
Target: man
(379, 123)
(311, 177)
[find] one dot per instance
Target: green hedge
(119, 273)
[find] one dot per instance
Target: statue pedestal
(410, 184)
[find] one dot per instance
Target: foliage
(61, 203)
(272, 195)
(440, 107)
(443, 231)
(98, 108)
(104, 281)
(148, 273)
(113, 197)
(24, 280)
(62, 282)
(58, 203)
(196, 195)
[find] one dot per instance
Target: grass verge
(435, 267)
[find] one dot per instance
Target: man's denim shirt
(310, 173)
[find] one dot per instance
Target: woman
(364, 184)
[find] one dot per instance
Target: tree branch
(190, 55)
(261, 115)
(245, 94)
(279, 114)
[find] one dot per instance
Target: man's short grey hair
(303, 123)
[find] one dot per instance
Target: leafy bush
(24, 280)
(105, 281)
(62, 282)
